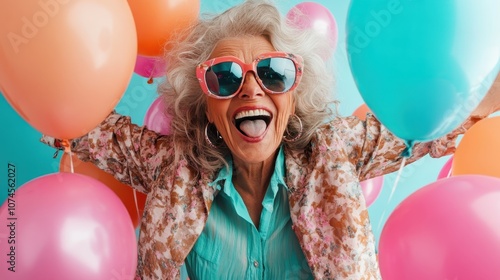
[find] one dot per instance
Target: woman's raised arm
(134, 155)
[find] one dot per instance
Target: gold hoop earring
(290, 138)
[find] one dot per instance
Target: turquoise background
(20, 146)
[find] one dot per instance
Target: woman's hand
(491, 102)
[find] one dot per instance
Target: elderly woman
(259, 178)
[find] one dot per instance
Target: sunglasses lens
(277, 73)
(224, 79)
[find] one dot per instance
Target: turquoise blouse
(231, 247)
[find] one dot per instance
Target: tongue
(253, 128)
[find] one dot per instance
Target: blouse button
(256, 263)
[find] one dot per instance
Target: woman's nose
(250, 88)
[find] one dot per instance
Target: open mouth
(253, 123)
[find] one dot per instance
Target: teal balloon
(422, 66)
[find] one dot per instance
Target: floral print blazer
(327, 206)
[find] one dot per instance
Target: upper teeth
(252, 113)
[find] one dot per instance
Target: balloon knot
(406, 153)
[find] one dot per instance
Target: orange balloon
(124, 192)
(361, 111)
(479, 150)
(158, 22)
(64, 65)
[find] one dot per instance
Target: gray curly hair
(186, 102)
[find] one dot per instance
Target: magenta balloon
(449, 229)
(149, 66)
(372, 188)
(156, 118)
(66, 226)
(446, 169)
(311, 15)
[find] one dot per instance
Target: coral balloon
(446, 169)
(66, 64)
(124, 192)
(149, 66)
(361, 111)
(66, 226)
(311, 15)
(159, 21)
(371, 189)
(479, 151)
(156, 117)
(448, 229)
(416, 67)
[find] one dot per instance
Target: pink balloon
(372, 188)
(156, 117)
(66, 226)
(449, 229)
(446, 170)
(149, 66)
(311, 15)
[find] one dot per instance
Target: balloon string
(406, 154)
(136, 204)
(449, 173)
(403, 162)
(71, 162)
(67, 149)
(396, 181)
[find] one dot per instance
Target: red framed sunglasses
(276, 72)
